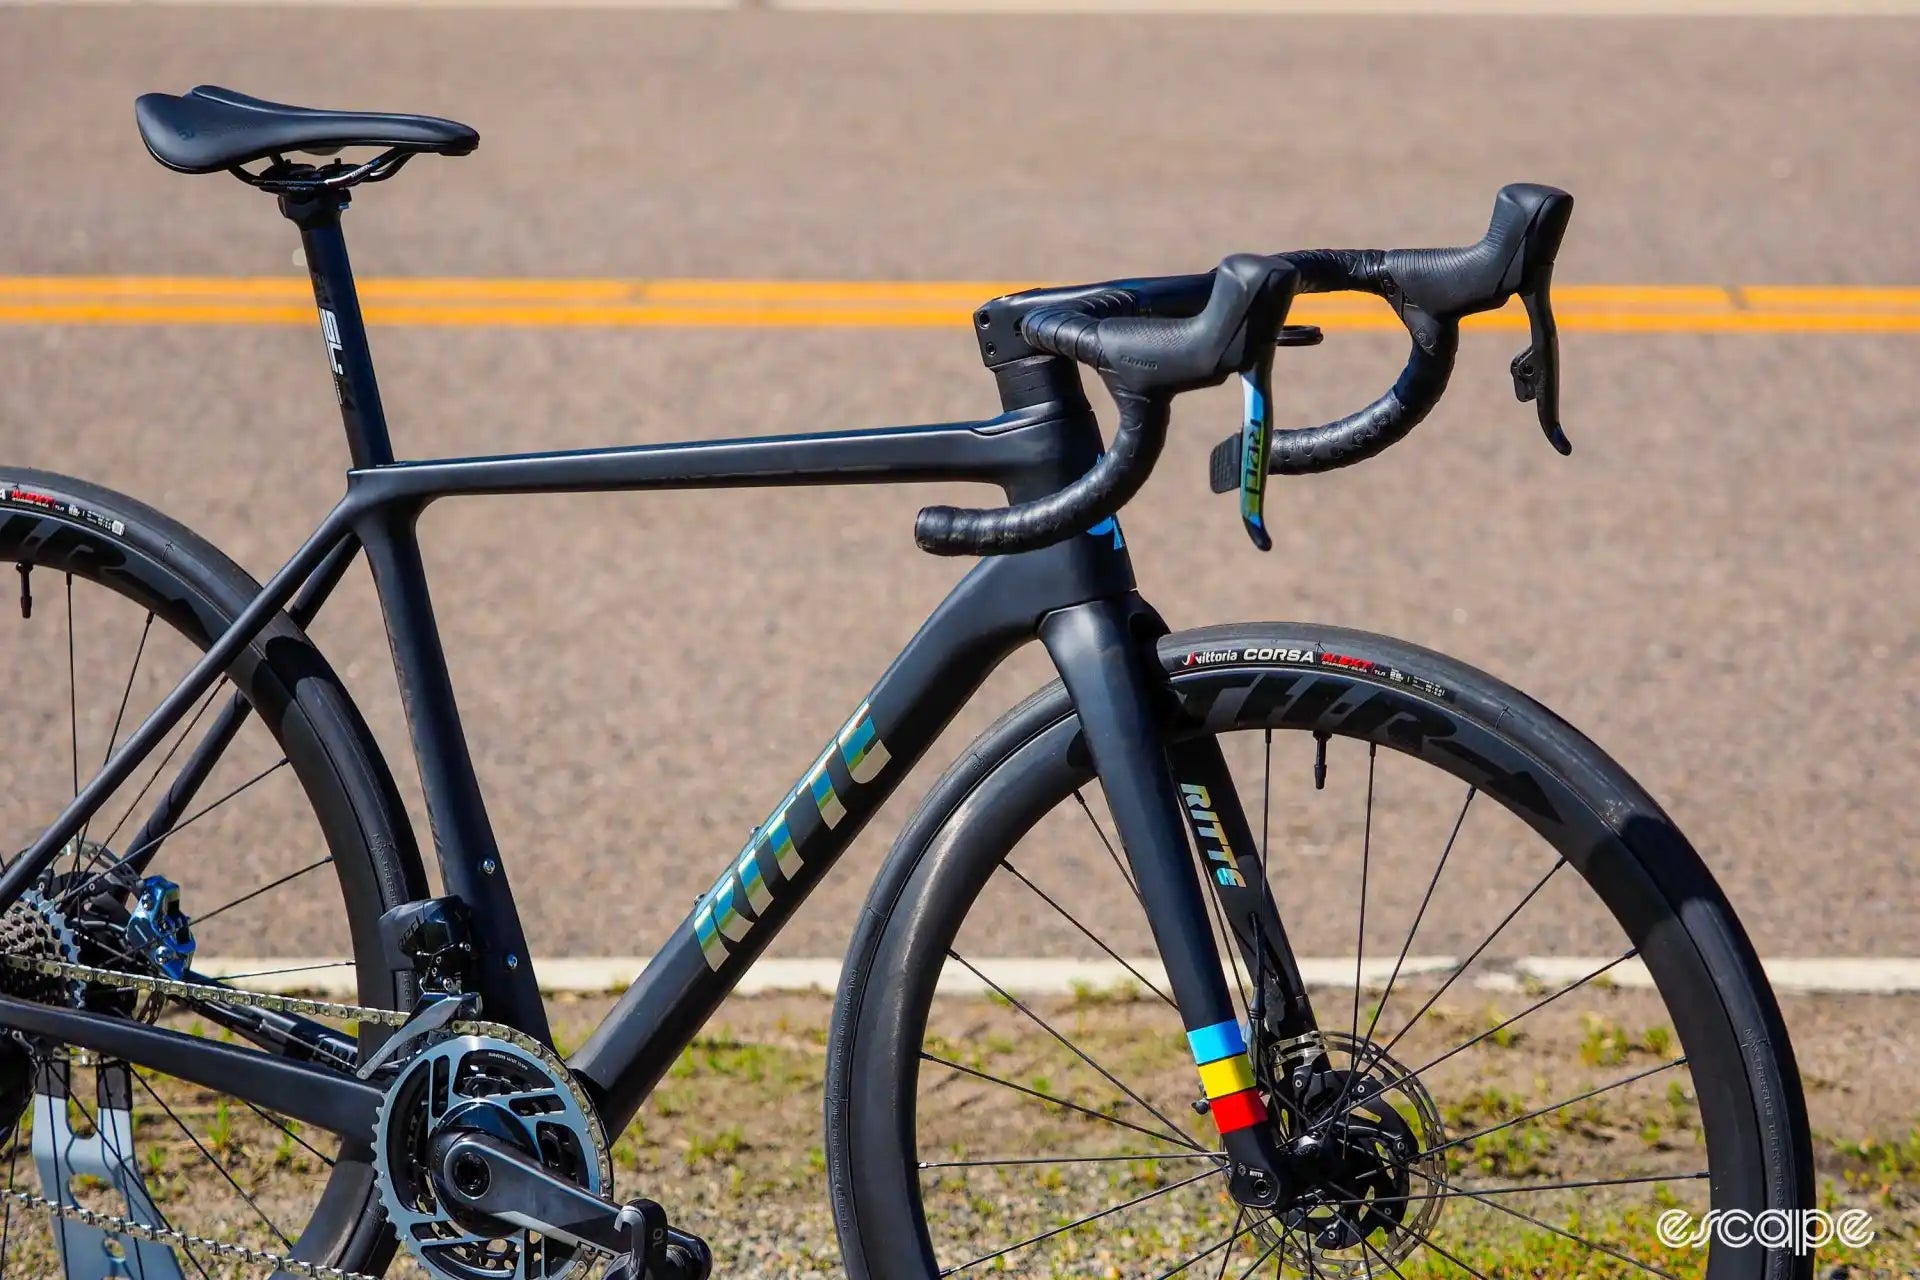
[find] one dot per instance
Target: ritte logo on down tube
(727, 912)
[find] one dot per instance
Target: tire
(64, 526)
(1410, 704)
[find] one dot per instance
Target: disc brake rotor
(1365, 1136)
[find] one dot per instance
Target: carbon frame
(1078, 597)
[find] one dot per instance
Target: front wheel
(1544, 1044)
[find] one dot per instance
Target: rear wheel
(276, 873)
(1540, 1026)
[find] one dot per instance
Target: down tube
(993, 610)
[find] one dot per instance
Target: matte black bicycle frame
(1077, 597)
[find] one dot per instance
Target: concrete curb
(1036, 976)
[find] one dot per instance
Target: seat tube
(349, 357)
(1099, 660)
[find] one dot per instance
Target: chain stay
(200, 991)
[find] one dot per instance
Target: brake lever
(1256, 436)
(1536, 371)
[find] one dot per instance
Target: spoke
(1081, 1222)
(1379, 1008)
(1496, 1029)
(1424, 1239)
(298, 968)
(166, 759)
(205, 916)
(1286, 1233)
(1227, 1257)
(113, 735)
(1464, 965)
(1230, 943)
(1015, 1160)
(1508, 1124)
(68, 895)
(281, 1125)
(1256, 1028)
(60, 1178)
(1014, 871)
(1076, 1050)
(251, 1203)
(1456, 1191)
(1420, 915)
(1266, 882)
(1375, 1251)
(1360, 940)
(1112, 853)
(1238, 1218)
(1512, 1212)
(1058, 1102)
(126, 693)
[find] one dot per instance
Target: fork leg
(1230, 853)
(1094, 645)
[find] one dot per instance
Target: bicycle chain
(168, 1236)
(279, 1004)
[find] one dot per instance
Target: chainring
(456, 1067)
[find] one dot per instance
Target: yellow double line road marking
(904, 304)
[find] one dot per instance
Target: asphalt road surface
(1719, 585)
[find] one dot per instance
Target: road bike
(1222, 1103)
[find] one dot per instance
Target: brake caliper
(159, 930)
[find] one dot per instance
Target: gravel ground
(731, 1142)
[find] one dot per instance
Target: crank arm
(479, 1176)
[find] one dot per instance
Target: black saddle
(210, 129)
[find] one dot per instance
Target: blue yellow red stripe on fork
(1226, 1076)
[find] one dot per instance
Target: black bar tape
(1028, 526)
(1340, 270)
(1066, 332)
(1380, 425)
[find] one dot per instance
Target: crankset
(491, 1165)
(490, 1183)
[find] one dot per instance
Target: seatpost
(317, 214)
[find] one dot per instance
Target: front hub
(1365, 1175)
